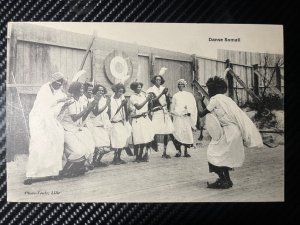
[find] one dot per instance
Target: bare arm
(139, 106)
(203, 113)
(84, 113)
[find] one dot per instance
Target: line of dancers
(86, 124)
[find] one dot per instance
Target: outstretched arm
(203, 113)
(83, 114)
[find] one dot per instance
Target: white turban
(56, 76)
(182, 81)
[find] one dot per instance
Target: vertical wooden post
(92, 65)
(229, 79)
(255, 80)
(12, 52)
(152, 65)
(87, 52)
(195, 70)
(278, 77)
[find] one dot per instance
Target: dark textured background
(265, 12)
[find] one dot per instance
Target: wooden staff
(22, 109)
(87, 51)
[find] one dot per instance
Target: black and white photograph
(144, 112)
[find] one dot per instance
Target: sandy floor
(260, 179)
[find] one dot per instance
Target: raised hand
(165, 91)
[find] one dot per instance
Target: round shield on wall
(118, 67)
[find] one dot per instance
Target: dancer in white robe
(99, 124)
(236, 131)
(161, 120)
(121, 128)
(46, 133)
(79, 143)
(142, 127)
(184, 111)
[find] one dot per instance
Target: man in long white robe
(46, 133)
(184, 111)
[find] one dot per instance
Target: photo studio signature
(42, 192)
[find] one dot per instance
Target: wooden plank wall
(251, 58)
(41, 52)
(143, 72)
(17, 141)
(210, 67)
(176, 70)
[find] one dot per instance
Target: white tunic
(121, 129)
(229, 150)
(100, 125)
(142, 130)
(47, 135)
(78, 139)
(161, 120)
(183, 102)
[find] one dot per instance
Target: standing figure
(161, 120)
(79, 143)
(46, 133)
(230, 129)
(200, 120)
(99, 125)
(121, 129)
(184, 111)
(142, 130)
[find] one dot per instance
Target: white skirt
(162, 123)
(183, 130)
(142, 130)
(100, 135)
(229, 150)
(119, 134)
(79, 143)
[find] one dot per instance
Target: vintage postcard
(144, 112)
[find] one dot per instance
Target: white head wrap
(56, 76)
(182, 81)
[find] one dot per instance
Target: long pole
(87, 52)
(22, 109)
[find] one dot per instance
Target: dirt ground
(260, 179)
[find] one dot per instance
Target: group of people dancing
(85, 124)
